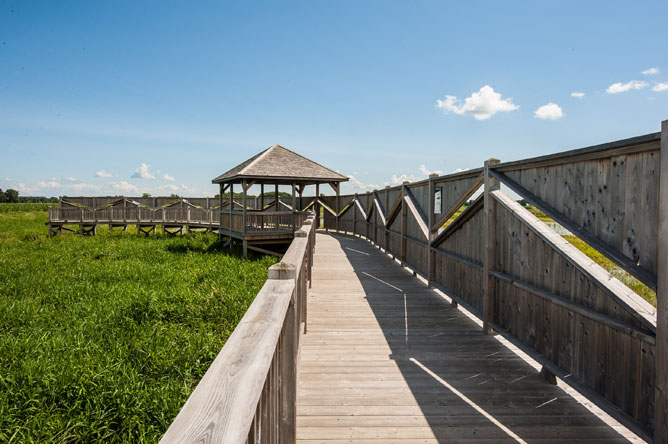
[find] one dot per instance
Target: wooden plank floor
(387, 360)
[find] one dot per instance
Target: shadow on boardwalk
(388, 360)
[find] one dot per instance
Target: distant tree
(146, 195)
(12, 196)
(176, 196)
(3, 196)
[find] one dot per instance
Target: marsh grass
(102, 338)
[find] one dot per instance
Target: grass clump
(634, 284)
(25, 207)
(103, 338)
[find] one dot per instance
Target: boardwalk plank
(387, 360)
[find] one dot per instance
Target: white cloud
(103, 173)
(651, 71)
(619, 87)
(551, 111)
(170, 188)
(70, 179)
(460, 170)
(398, 180)
(481, 105)
(357, 184)
(124, 187)
(82, 186)
(660, 87)
(143, 172)
(577, 94)
(8, 179)
(426, 172)
(48, 184)
(168, 178)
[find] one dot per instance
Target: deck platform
(388, 360)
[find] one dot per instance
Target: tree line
(12, 196)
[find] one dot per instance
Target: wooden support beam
(294, 209)
(379, 208)
(277, 198)
(489, 248)
(338, 207)
(661, 391)
(243, 216)
(317, 205)
(404, 222)
(248, 184)
(394, 211)
(231, 209)
(461, 201)
(387, 220)
(620, 293)
(356, 203)
(467, 214)
(644, 275)
(430, 235)
(417, 213)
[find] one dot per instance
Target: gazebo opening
(271, 221)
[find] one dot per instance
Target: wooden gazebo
(276, 221)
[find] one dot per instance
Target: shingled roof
(281, 165)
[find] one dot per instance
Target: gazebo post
(231, 205)
(276, 199)
(317, 206)
(261, 206)
(294, 208)
(300, 190)
(220, 216)
(244, 242)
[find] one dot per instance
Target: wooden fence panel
(610, 192)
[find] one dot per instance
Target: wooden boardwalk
(387, 360)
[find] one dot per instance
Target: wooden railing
(133, 215)
(248, 393)
(528, 283)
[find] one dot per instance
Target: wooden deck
(387, 360)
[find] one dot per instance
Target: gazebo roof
(280, 165)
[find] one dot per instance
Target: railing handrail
(224, 407)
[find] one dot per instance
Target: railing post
(404, 222)
(661, 391)
(289, 344)
(355, 214)
(430, 223)
(387, 209)
(489, 242)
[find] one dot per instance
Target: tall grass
(103, 338)
(25, 207)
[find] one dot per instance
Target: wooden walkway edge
(388, 360)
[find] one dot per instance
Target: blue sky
(175, 93)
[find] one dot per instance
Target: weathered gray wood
(430, 234)
(380, 347)
(640, 309)
(616, 148)
(661, 393)
(458, 204)
(489, 248)
(641, 273)
(566, 303)
(417, 213)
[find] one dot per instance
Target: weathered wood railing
(248, 394)
(530, 284)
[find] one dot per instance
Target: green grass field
(103, 338)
